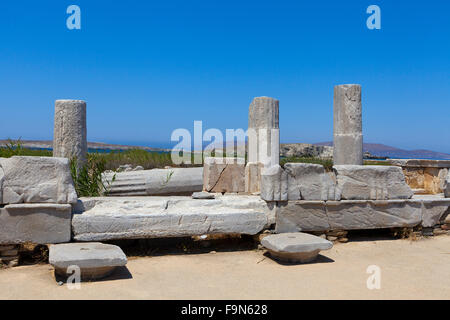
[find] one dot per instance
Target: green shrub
(87, 178)
(15, 148)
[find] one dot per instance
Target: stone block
(253, 177)
(371, 182)
(296, 216)
(361, 214)
(111, 218)
(36, 180)
(36, 223)
(224, 175)
(274, 184)
(95, 260)
(308, 181)
(433, 210)
(295, 247)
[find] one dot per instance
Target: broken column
(348, 138)
(263, 139)
(69, 139)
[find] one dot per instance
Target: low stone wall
(426, 176)
(294, 216)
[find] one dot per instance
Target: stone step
(95, 260)
(108, 218)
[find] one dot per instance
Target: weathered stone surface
(348, 139)
(36, 223)
(253, 177)
(203, 195)
(174, 181)
(296, 216)
(95, 260)
(372, 214)
(224, 175)
(263, 131)
(69, 138)
(36, 180)
(371, 182)
(433, 210)
(274, 184)
(447, 186)
(157, 217)
(308, 181)
(295, 247)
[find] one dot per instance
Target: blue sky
(146, 68)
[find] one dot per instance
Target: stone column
(348, 138)
(263, 139)
(69, 138)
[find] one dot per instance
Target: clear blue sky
(146, 68)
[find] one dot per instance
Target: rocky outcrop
(305, 150)
(36, 180)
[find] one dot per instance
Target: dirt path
(409, 270)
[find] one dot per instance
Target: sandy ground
(409, 270)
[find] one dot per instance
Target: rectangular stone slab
(295, 216)
(373, 214)
(159, 217)
(36, 223)
(371, 182)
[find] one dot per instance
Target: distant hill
(381, 150)
(375, 149)
(47, 144)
